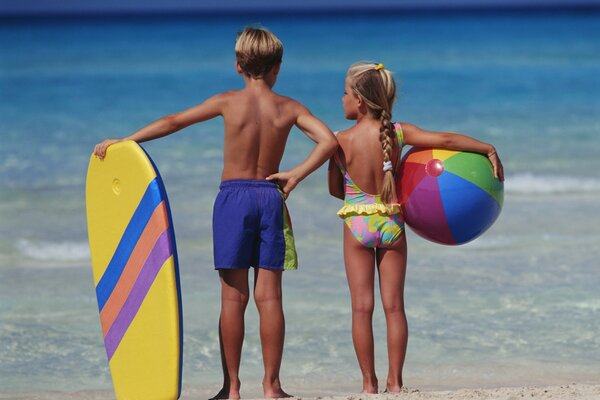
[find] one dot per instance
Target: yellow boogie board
(134, 262)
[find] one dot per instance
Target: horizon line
(318, 11)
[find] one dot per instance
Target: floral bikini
(372, 222)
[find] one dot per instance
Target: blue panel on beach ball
(469, 210)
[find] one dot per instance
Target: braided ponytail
(376, 86)
(388, 191)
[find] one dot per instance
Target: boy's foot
(273, 390)
(227, 393)
(276, 394)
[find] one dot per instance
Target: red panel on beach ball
(448, 197)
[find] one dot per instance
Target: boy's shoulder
(229, 94)
(290, 105)
(288, 100)
(223, 98)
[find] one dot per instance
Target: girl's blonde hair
(257, 51)
(376, 86)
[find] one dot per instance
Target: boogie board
(134, 263)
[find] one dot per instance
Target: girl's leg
(268, 298)
(234, 298)
(391, 263)
(360, 271)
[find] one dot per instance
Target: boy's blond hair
(257, 51)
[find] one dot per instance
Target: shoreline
(580, 391)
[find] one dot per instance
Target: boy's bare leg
(392, 272)
(360, 271)
(224, 392)
(234, 299)
(268, 298)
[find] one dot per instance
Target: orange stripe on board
(157, 224)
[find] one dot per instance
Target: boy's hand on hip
(287, 181)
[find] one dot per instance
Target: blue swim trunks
(252, 227)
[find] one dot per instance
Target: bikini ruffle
(369, 209)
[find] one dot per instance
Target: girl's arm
(335, 180)
(418, 137)
(170, 124)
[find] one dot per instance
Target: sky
(143, 6)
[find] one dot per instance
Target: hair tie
(378, 67)
(387, 166)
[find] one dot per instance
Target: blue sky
(93, 6)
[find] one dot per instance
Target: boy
(250, 221)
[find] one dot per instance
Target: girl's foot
(370, 386)
(393, 389)
(370, 391)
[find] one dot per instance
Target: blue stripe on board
(140, 218)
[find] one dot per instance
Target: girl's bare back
(363, 156)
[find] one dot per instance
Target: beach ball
(448, 197)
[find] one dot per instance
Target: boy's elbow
(332, 145)
(336, 188)
(336, 193)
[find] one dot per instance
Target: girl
(367, 162)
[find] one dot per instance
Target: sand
(567, 392)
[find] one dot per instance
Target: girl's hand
(496, 164)
(100, 149)
(287, 181)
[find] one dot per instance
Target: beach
(513, 314)
(567, 391)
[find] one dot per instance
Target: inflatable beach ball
(449, 197)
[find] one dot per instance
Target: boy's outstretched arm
(170, 124)
(416, 136)
(326, 142)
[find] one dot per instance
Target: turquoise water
(520, 305)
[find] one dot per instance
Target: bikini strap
(400, 141)
(399, 134)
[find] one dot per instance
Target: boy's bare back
(257, 124)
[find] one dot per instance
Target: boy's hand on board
(100, 149)
(287, 181)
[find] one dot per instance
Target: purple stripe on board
(157, 257)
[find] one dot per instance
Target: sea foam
(550, 184)
(46, 251)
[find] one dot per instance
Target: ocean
(517, 306)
